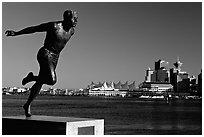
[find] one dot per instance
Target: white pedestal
(51, 125)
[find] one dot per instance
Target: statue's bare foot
(27, 79)
(27, 110)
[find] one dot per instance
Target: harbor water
(123, 116)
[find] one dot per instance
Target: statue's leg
(47, 75)
(35, 89)
(33, 93)
(47, 72)
(30, 77)
(52, 77)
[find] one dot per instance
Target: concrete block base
(51, 125)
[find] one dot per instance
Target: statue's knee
(54, 81)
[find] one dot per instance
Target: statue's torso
(57, 37)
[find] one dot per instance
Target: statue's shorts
(48, 63)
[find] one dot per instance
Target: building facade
(111, 88)
(181, 80)
(156, 87)
(159, 74)
(200, 83)
(174, 79)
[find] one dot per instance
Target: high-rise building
(173, 78)
(160, 74)
(180, 79)
(149, 72)
(200, 83)
(178, 65)
(161, 64)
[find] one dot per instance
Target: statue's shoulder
(72, 30)
(54, 24)
(57, 22)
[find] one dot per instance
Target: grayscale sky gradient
(112, 42)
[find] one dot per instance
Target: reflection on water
(157, 117)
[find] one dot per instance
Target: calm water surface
(123, 116)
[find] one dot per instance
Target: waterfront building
(149, 72)
(173, 78)
(161, 79)
(132, 87)
(107, 86)
(111, 89)
(156, 87)
(117, 86)
(161, 64)
(124, 86)
(200, 83)
(181, 80)
(157, 80)
(177, 65)
(159, 74)
(14, 90)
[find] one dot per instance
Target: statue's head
(70, 16)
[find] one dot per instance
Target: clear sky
(112, 42)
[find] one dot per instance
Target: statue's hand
(10, 33)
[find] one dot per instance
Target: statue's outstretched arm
(29, 30)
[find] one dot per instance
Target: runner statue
(58, 34)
